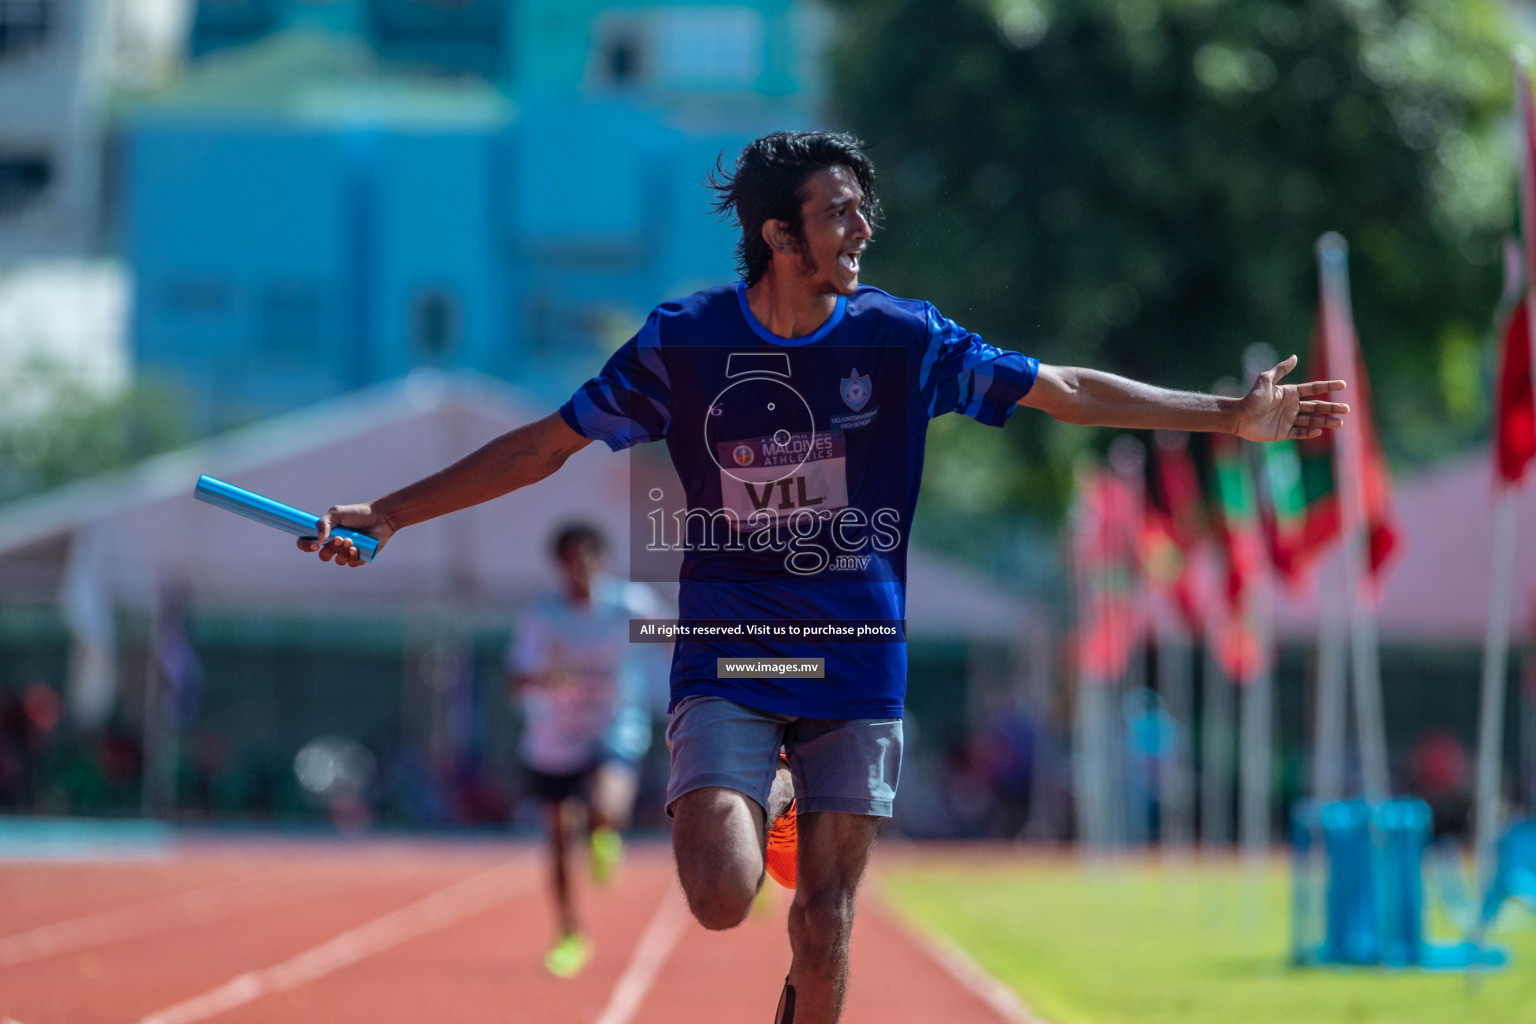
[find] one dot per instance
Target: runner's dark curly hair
(767, 184)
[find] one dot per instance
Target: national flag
(1106, 524)
(1176, 507)
(1160, 557)
(1514, 415)
(1237, 513)
(1282, 505)
(1237, 640)
(1514, 420)
(1320, 523)
(1512, 430)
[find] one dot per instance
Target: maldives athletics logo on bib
(855, 390)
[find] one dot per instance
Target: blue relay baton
(277, 515)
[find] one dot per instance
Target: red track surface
(407, 933)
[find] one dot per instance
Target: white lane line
(650, 955)
(439, 910)
(957, 963)
(164, 913)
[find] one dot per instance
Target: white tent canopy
(146, 530)
(1435, 589)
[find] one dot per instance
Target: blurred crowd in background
(981, 783)
(1008, 778)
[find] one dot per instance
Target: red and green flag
(1282, 505)
(1237, 513)
(1238, 643)
(1514, 422)
(1162, 562)
(1514, 425)
(1314, 515)
(1177, 526)
(1106, 542)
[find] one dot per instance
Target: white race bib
(762, 478)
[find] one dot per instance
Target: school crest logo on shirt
(855, 390)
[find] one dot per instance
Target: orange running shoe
(783, 855)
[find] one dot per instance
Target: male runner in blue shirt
(794, 405)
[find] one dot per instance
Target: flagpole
(1256, 753)
(1175, 681)
(1215, 752)
(1173, 671)
(1128, 460)
(1217, 708)
(152, 803)
(1082, 733)
(1525, 715)
(1366, 649)
(1490, 724)
(1349, 464)
(1111, 811)
(1087, 783)
(1331, 711)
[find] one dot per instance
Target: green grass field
(1137, 944)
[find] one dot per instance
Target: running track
(406, 933)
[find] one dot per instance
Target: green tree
(70, 431)
(1138, 184)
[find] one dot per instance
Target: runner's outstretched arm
(1271, 411)
(522, 456)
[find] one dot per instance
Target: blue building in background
(338, 192)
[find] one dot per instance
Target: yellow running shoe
(607, 853)
(568, 956)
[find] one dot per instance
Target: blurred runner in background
(587, 720)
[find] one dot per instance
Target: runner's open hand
(1272, 411)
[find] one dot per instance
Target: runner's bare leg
(718, 838)
(834, 849)
(559, 820)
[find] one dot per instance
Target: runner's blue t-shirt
(801, 460)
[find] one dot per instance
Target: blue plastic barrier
(1515, 873)
(1359, 896)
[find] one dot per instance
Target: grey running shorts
(848, 765)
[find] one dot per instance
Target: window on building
(622, 50)
(446, 35)
(196, 295)
(220, 24)
(434, 324)
(23, 180)
(24, 25)
(680, 47)
(707, 47)
(290, 318)
(620, 56)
